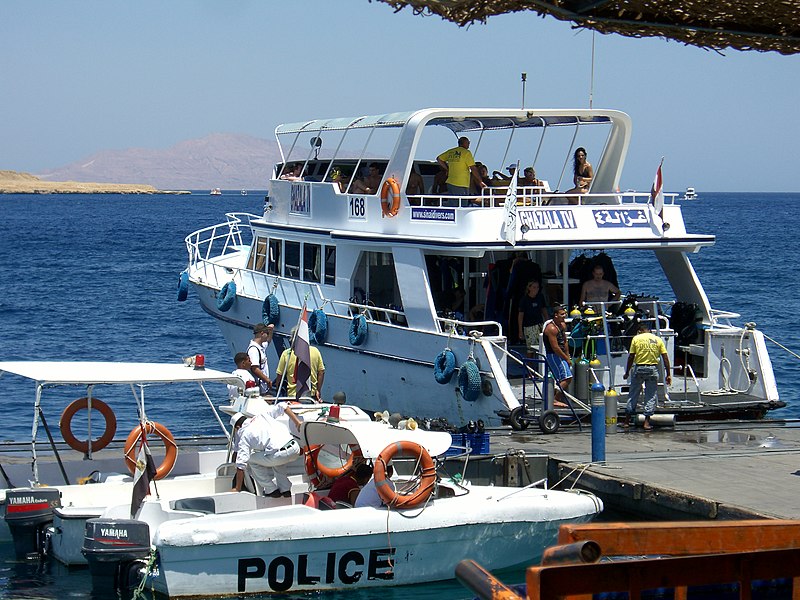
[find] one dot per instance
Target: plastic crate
(478, 442)
(456, 445)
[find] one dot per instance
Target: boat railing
(373, 313)
(722, 317)
(219, 239)
(494, 197)
(451, 325)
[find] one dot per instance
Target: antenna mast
(591, 76)
(524, 79)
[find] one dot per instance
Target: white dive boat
(404, 288)
(300, 547)
(690, 194)
(215, 192)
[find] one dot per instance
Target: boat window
(330, 265)
(311, 262)
(376, 279)
(291, 264)
(274, 265)
(258, 255)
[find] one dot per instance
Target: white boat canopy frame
(49, 374)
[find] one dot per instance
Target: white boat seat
(203, 504)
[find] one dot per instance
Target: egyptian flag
(657, 197)
(302, 350)
(145, 472)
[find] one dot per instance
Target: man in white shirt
(242, 370)
(368, 496)
(267, 446)
(257, 351)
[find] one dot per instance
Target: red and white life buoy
(151, 427)
(65, 424)
(390, 185)
(427, 481)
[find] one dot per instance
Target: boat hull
(298, 548)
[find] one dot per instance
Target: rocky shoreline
(13, 182)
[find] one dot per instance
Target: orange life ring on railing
(390, 184)
(428, 475)
(65, 424)
(315, 467)
(151, 427)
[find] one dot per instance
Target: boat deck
(689, 471)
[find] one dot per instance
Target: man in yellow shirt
(460, 165)
(646, 350)
(288, 364)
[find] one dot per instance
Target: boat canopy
(372, 437)
(457, 120)
(50, 373)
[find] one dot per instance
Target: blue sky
(84, 76)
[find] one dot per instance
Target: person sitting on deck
(598, 289)
(293, 173)
(348, 486)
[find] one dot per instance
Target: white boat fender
(271, 310)
(444, 366)
(318, 326)
(227, 295)
(358, 330)
(183, 286)
(469, 381)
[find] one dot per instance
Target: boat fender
(444, 366)
(226, 296)
(390, 185)
(183, 286)
(422, 492)
(271, 310)
(469, 381)
(132, 443)
(65, 424)
(358, 330)
(318, 326)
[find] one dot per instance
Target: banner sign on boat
(286, 572)
(300, 200)
(439, 215)
(621, 217)
(538, 219)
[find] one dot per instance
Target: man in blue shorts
(556, 351)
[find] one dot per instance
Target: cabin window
(258, 255)
(330, 265)
(375, 280)
(291, 262)
(274, 264)
(311, 263)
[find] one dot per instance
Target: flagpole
(291, 346)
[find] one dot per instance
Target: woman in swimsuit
(582, 175)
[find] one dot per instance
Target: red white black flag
(302, 350)
(657, 197)
(145, 473)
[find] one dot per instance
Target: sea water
(94, 277)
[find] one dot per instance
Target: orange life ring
(428, 475)
(310, 460)
(65, 424)
(390, 184)
(151, 427)
(313, 466)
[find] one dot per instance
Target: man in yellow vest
(646, 350)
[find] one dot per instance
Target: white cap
(237, 418)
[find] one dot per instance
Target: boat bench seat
(203, 504)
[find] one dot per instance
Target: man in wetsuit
(557, 353)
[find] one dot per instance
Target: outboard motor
(29, 511)
(111, 547)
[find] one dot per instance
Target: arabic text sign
(621, 217)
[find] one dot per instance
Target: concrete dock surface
(693, 470)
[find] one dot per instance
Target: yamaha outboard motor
(28, 513)
(112, 547)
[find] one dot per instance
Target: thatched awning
(761, 25)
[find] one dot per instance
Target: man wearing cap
(460, 165)
(266, 446)
(257, 351)
(644, 355)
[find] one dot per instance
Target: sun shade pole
(566, 162)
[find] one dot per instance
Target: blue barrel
(598, 422)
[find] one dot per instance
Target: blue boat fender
(183, 286)
(271, 310)
(469, 381)
(226, 296)
(318, 326)
(444, 366)
(358, 330)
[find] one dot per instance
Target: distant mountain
(223, 160)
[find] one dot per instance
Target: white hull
(303, 549)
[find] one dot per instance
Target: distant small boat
(690, 194)
(244, 192)
(216, 192)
